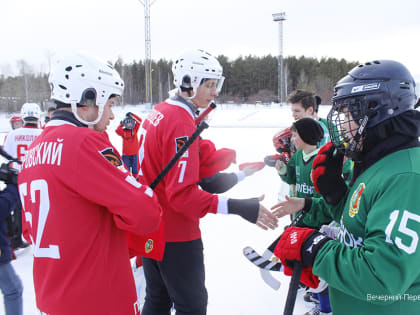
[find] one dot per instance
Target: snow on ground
(234, 284)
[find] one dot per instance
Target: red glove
(213, 161)
(300, 244)
(326, 174)
(151, 246)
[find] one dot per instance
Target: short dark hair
(306, 98)
(51, 109)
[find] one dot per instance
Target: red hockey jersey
(78, 202)
(164, 132)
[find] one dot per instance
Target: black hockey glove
(8, 174)
(326, 174)
(311, 246)
(271, 160)
(246, 208)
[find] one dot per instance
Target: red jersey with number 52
(78, 203)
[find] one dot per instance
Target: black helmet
(372, 92)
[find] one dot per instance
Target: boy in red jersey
(71, 187)
(127, 130)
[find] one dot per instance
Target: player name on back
(19, 138)
(44, 153)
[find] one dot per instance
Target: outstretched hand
(251, 169)
(289, 206)
(266, 220)
(279, 165)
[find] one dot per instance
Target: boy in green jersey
(306, 133)
(372, 266)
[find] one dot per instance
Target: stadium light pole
(148, 50)
(280, 17)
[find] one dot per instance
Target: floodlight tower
(280, 17)
(148, 50)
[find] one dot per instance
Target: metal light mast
(280, 17)
(148, 50)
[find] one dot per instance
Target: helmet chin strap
(89, 123)
(190, 97)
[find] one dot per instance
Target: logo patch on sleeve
(111, 156)
(179, 142)
(355, 200)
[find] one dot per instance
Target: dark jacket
(8, 200)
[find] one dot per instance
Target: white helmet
(192, 67)
(79, 79)
(30, 111)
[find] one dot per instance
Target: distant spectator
(16, 122)
(128, 129)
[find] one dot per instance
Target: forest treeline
(248, 79)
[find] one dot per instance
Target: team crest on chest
(179, 143)
(355, 200)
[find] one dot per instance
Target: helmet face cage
(282, 141)
(370, 94)
(347, 120)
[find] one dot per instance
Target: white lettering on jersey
(155, 117)
(305, 188)
(344, 236)
(44, 153)
(20, 138)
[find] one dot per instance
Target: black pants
(178, 279)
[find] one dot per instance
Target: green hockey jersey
(299, 174)
(374, 265)
(324, 124)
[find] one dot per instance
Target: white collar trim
(179, 104)
(58, 122)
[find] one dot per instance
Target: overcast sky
(357, 30)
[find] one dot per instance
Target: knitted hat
(309, 130)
